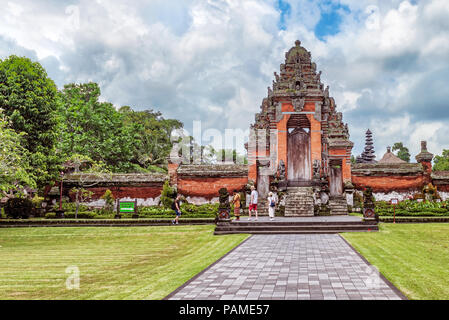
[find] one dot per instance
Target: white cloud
(213, 60)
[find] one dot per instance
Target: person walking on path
(236, 202)
(271, 205)
(176, 207)
(253, 202)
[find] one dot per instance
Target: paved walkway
(289, 267)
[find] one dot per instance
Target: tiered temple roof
(299, 82)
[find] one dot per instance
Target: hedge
(405, 213)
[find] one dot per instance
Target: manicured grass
(414, 257)
(114, 263)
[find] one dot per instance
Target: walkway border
(388, 282)
(205, 270)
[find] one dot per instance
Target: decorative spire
(424, 155)
(368, 154)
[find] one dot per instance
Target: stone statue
(369, 205)
(224, 208)
(316, 169)
(281, 170)
(318, 77)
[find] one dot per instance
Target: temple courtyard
(189, 262)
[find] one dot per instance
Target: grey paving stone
(288, 267)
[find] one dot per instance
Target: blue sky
(386, 62)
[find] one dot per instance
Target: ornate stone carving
(316, 169)
(281, 171)
(298, 104)
(224, 208)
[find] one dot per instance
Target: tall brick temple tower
(305, 136)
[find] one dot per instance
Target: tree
(353, 160)
(224, 155)
(97, 169)
(28, 98)
(95, 129)
(153, 133)
(14, 166)
(441, 163)
(403, 152)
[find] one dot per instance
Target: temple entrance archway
(299, 150)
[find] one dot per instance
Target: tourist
(253, 202)
(271, 205)
(236, 202)
(176, 207)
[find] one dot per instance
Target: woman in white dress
(271, 205)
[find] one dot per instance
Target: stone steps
(299, 202)
(338, 206)
(278, 227)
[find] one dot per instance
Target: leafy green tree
(95, 129)
(96, 169)
(28, 98)
(231, 155)
(353, 160)
(403, 152)
(441, 163)
(153, 133)
(14, 166)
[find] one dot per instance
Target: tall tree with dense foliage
(28, 98)
(95, 129)
(403, 152)
(14, 166)
(154, 132)
(441, 163)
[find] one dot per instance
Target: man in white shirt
(253, 202)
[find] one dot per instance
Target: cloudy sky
(387, 62)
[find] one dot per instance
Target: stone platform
(296, 225)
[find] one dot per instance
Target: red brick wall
(208, 187)
(389, 183)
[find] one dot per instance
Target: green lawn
(114, 263)
(414, 257)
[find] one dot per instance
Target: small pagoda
(368, 155)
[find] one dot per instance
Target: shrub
(108, 197)
(50, 215)
(188, 211)
(168, 195)
(18, 208)
(37, 201)
(81, 215)
(71, 215)
(70, 206)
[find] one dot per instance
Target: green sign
(127, 207)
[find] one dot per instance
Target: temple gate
(312, 148)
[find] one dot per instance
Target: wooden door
(299, 156)
(336, 180)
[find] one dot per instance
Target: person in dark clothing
(176, 207)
